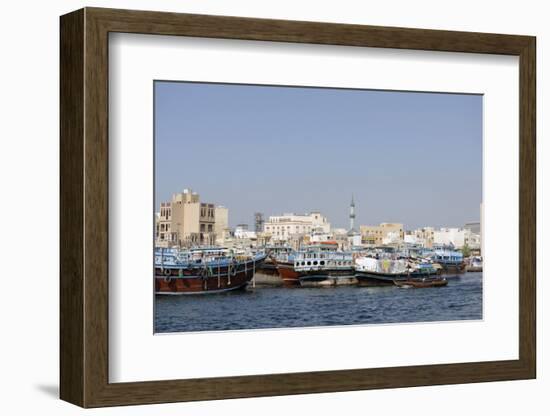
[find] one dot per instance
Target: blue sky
(407, 157)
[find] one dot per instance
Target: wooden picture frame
(84, 207)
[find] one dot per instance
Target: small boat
(423, 268)
(203, 270)
(421, 283)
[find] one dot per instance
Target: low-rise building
(473, 240)
(424, 236)
(449, 236)
(287, 226)
(385, 233)
(221, 224)
(242, 232)
(185, 221)
(474, 226)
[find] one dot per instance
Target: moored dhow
(203, 270)
(314, 267)
(275, 253)
(284, 264)
(450, 260)
(375, 271)
(418, 283)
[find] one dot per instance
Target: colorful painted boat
(373, 271)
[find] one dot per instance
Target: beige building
(424, 236)
(185, 221)
(385, 233)
(371, 234)
(221, 224)
(287, 226)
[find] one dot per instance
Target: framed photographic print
(255, 207)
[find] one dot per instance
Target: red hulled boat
(200, 271)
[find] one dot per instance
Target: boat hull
(269, 267)
(314, 278)
(288, 275)
(456, 268)
(324, 278)
(365, 278)
(421, 283)
(191, 281)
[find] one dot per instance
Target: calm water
(278, 307)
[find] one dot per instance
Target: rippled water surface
(278, 307)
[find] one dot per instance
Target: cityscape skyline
(265, 216)
(273, 150)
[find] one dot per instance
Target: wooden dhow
(419, 283)
(316, 267)
(203, 270)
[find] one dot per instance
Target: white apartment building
(421, 236)
(458, 237)
(472, 239)
(242, 231)
(284, 227)
(450, 236)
